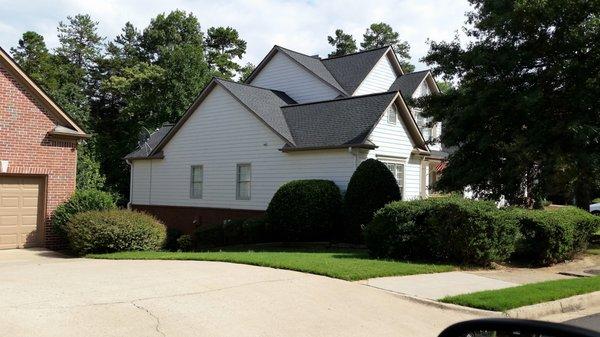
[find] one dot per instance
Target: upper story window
(243, 181)
(392, 112)
(196, 182)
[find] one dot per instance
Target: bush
(449, 229)
(371, 187)
(113, 231)
(185, 243)
(81, 201)
(305, 210)
(232, 232)
(553, 235)
(173, 235)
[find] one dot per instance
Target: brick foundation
(25, 143)
(187, 219)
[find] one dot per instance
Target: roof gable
(69, 128)
(408, 83)
(351, 70)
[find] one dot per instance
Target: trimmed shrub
(232, 232)
(173, 235)
(553, 235)
(185, 243)
(113, 231)
(371, 187)
(81, 201)
(305, 210)
(449, 229)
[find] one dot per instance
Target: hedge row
(465, 231)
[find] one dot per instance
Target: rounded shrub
(371, 187)
(449, 229)
(113, 231)
(305, 210)
(553, 235)
(81, 201)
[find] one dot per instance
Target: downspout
(130, 182)
(355, 156)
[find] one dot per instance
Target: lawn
(594, 249)
(510, 298)
(347, 264)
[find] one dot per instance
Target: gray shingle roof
(351, 70)
(314, 65)
(155, 138)
(265, 103)
(408, 83)
(335, 123)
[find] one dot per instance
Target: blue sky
(298, 25)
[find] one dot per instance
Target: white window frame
(193, 192)
(398, 167)
(238, 182)
(392, 114)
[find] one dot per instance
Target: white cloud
(298, 25)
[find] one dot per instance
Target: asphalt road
(591, 322)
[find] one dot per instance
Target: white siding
(379, 79)
(423, 90)
(220, 134)
(394, 145)
(284, 74)
(140, 182)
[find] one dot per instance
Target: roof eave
(329, 147)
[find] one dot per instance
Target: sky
(299, 25)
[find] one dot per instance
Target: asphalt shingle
(408, 83)
(145, 149)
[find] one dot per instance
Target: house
(38, 158)
(295, 117)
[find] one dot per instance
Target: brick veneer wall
(186, 219)
(24, 142)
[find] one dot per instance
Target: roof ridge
(356, 53)
(297, 52)
(248, 85)
(416, 72)
(341, 99)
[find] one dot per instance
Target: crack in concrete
(155, 317)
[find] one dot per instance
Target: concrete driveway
(42, 294)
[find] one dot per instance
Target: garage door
(20, 206)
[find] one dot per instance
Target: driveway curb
(565, 305)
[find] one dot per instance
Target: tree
(526, 112)
(223, 44)
(245, 71)
(33, 56)
(381, 35)
(344, 43)
(80, 43)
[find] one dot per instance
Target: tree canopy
(344, 43)
(525, 116)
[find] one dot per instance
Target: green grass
(594, 249)
(347, 264)
(510, 298)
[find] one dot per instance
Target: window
(196, 182)
(398, 171)
(391, 114)
(244, 179)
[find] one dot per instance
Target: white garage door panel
(20, 205)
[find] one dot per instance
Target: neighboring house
(38, 158)
(296, 117)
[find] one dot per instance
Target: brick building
(38, 159)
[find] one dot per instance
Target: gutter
(329, 147)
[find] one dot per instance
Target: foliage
(348, 264)
(344, 43)
(173, 234)
(305, 210)
(381, 35)
(81, 201)
(553, 235)
(114, 231)
(245, 72)
(232, 232)
(596, 200)
(371, 186)
(185, 243)
(528, 294)
(442, 229)
(223, 44)
(89, 176)
(527, 81)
